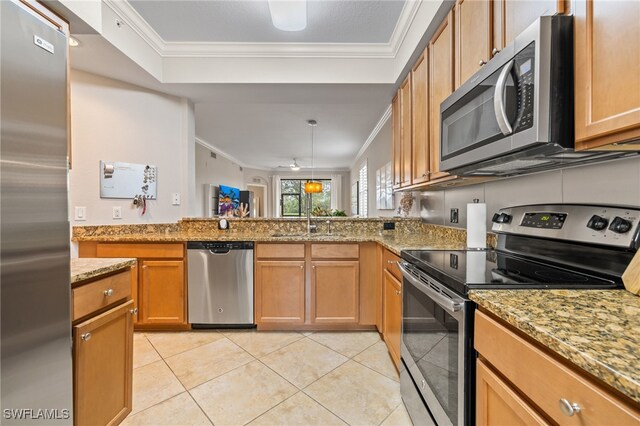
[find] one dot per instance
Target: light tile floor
(238, 377)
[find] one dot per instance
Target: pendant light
(312, 187)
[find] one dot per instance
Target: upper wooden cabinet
(419, 123)
(607, 73)
(397, 142)
(514, 16)
(440, 86)
(405, 131)
(473, 38)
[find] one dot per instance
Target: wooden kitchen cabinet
(162, 292)
(392, 315)
(279, 292)
(607, 74)
(335, 291)
(103, 367)
(419, 122)
(397, 141)
(545, 381)
(441, 53)
(514, 16)
(158, 286)
(405, 132)
(473, 37)
(499, 404)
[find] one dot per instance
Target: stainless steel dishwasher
(220, 283)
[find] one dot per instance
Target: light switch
(176, 199)
(117, 212)
(80, 213)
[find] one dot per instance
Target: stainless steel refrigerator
(35, 327)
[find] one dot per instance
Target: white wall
(216, 171)
(115, 121)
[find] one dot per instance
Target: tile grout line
(200, 407)
(269, 353)
(195, 347)
(349, 357)
(278, 404)
(391, 412)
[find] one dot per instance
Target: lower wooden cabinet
(392, 297)
(498, 404)
(162, 292)
(335, 291)
(103, 367)
(279, 292)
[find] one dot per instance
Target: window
(293, 199)
(363, 201)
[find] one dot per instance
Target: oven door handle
(443, 301)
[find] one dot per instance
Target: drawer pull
(569, 409)
(134, 311)
(109, 292)
(398, 292)
(85, 337)
(391, 262)
(301, 267)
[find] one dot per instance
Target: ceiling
(242, 21)
(254, 87)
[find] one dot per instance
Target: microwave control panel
(524, 75)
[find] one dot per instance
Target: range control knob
(495, 217)
(504, 218)
(620, 225)
(597, 223)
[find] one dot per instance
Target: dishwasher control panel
(220, 245)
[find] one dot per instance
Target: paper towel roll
(476, 266)
(476, 225)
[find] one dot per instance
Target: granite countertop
(88, 268)
(395, 242)
(597, 330)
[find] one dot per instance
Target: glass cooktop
(490, 269)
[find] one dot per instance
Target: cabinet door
(517, 15)
(103, 367)
(392, 315)
(440, 86)
(420, 138)
(280, 292)
(473, 38)
(335, 288)
(607, 72)
(162, 292)
(498, 404)
(405, 131)
(397, 141)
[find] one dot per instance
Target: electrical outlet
(117, 212)
(80, 213)
(454, 216)
(176, 199)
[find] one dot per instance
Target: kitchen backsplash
(614, 182)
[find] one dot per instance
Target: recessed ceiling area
(241, 21)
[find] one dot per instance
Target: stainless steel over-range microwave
(515, 115)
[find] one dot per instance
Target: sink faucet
(310, 227)
(329, 223)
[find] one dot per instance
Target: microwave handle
(499, 99)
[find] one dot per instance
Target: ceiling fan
(293, 166)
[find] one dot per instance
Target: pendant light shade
(312, 187)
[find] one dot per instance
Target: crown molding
(271, 50)
(383, 120)
(229, 157)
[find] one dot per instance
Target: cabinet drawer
(390, 263)
(280, 251)
(152, 251)
(96, 295)
(335, 251)
(546, 380)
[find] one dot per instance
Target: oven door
(435, 344)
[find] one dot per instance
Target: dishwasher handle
(220, 251)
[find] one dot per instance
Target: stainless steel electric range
(538, 247)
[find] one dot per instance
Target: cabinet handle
(85, 337)
(134, 311)
(398, 292)
(482, 62)
(109, 292)
(391, 262)
(301, 267)
(568, 408)
(314, 266)
(495, 51)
